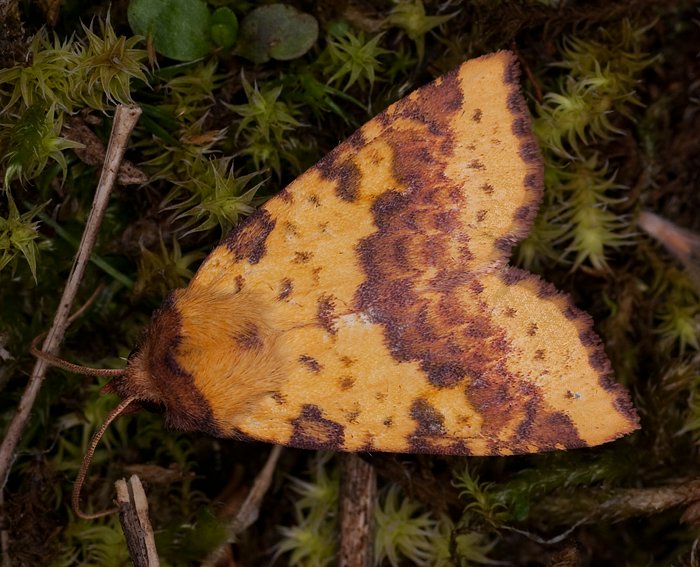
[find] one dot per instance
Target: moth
(370, 306)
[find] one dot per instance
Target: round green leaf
(224, 27)
(179, 28)
(277, 31)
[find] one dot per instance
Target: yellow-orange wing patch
(369, 306)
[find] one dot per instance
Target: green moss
(582, 111)
(352, 58)
(312, 540)
(18, 236)
(32, 141)
(410, 16)
(265, 127)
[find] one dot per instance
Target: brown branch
(133, 516)
(93, 151)
(4, 534)
(249, 510)
(590, 505)
(125, 119)
(358, 498)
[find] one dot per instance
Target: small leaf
(277, 32)
(224, 27)
(179, 28)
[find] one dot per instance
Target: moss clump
(614, 99)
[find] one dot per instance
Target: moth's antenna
(59, 362)
(87, 459)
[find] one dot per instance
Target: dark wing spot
(286, 288)
(476, 287)
(516, 103)
(520, 127)
(435, 104)
(599, 361)
(532, 329)
(545, 289)
(247, 240)
(511, 74)
(249, 338)
(530, 152)
(325, 313)
(444, 374)
(525, 213)
(346, 382)
(291, 228)
(429, 420)
(480, 328)
(510, 276)
(344, 173)
(357, 140)
(448, 220)
(505, 243)
(534, 181)
(280, 399)
(430, 425)
(312, 431)
(589, 338)
(546, 430)
(476, 115)
(311, 363)
(302, 257)
(286, 195)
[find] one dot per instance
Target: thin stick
(4, 535)
(250, 509)
(59, 362)
(358, 497)
(133, 516)
(125, 119)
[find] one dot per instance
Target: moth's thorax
(205, 358)
(155, 376)
(228, 345)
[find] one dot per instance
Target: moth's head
(154, 376)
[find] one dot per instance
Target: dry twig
(249, 511)
(133, 515)
(358, 498)
(125, 119)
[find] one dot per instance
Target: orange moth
(370, 306)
